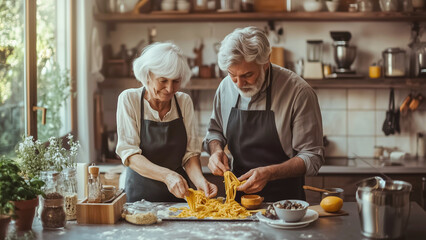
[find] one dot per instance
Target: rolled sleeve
(193, 147)
(127, 129)
(215, 129)
(307, 131)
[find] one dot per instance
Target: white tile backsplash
(364, 99)
(361, 146)
(337, 147)
(332, 98)
(352, 120)
(334, 122)
(361, 123)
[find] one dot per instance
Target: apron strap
(268, 91)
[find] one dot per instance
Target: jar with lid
(365, 5)
(70, 193)
(394, 62)
(53, 212)
(94, 186)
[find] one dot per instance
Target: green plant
(14, 187)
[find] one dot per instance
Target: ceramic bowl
(167, 6)
(291, 215)
(183, 5)
(332, 5)
(251, 201)
(312, 5)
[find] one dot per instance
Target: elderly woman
(157, 139)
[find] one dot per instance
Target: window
(35, 60)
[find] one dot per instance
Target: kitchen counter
(370, 165)
(341, 227)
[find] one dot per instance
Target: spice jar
(70, 193)
(53, 214)
(94, 186)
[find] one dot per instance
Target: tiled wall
(352, 120)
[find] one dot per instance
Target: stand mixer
(344, 55)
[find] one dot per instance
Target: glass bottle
(53, 213)
(94, 186)
(70, 193)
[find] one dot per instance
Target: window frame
(31, 68)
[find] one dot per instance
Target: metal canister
(394, 62)
(384, 207)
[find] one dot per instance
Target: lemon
(331, 204)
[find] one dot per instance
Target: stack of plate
(310, 216)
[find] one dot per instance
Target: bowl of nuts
(291, 210)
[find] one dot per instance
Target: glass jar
(365, 5)
(70, 193)
(53, 214)
(94, 186)
(394, 62)
(53, 182)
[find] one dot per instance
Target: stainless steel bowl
(344, 55)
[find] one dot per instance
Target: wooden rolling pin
(315, 189)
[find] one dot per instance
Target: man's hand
(218, 163)
(256, 178)
(177, 185)
(209, 189)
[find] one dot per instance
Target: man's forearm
(215, 146)
(294, 167)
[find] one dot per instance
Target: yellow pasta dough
(201, 207)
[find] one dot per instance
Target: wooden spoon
(316, 189)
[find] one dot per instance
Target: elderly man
(268, 116)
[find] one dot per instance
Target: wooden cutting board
(323, 213)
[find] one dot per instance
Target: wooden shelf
(213, 83)
(263, 16)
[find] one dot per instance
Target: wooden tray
(100, 213)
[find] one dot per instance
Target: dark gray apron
(164, 144)
(253, 141)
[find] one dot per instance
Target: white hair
(163, 60)
(248, 44)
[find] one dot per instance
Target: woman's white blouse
(128, 123)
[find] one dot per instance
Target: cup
(338, 192)
(375, 72)
(108, 192)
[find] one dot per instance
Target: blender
(313, 65)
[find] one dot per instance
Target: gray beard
(251, 90)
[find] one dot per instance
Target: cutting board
(323, 213)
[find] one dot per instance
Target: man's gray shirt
(297, 115)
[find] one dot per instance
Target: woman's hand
(209, 189)
(177, 185)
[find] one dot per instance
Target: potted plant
(19, 197)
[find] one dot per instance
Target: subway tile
(361, 146)
(380, 118)
(403, 143)
(382, 99)
(334, 122)
(361, 99)
(332, 98)
(361, 123)
(337, 147)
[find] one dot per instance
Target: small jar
(108, 192)
(70, 193)
(94, 186)
(53, 214)
(375, 71)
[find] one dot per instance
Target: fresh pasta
(201, 207)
